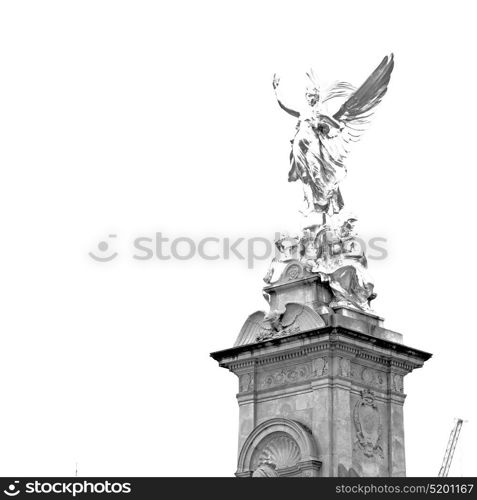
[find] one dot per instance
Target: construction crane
(452, 443)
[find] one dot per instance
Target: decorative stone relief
(288, 319)
(293, 272)
(344, 367)
(285, 376)
(320, 366)
(246, 382)
(285, 410)
(369, 376)
(368, 426)
(279, 323)
(398, 382)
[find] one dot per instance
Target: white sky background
(137, 117)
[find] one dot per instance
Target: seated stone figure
(350, 281)
(343, 264)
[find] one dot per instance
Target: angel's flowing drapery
(313, 162)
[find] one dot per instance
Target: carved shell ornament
(281, 451)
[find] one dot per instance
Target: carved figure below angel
(342, 262)
(287, 250)
(334, 252)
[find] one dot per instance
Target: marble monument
(320, 378)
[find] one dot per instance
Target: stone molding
(306, 344)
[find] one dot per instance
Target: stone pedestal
(324, 396)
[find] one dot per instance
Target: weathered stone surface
(303, 287)
(341, 384)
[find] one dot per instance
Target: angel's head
(312, 93)
(312, 96)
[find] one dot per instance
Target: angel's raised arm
(276, 82)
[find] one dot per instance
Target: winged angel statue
(322, 140)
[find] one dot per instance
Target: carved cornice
(335, 335)
(333, 340)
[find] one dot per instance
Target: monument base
(326, 401)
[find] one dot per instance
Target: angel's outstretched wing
(356, 112)
(338, 92)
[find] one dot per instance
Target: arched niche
(279, 447)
